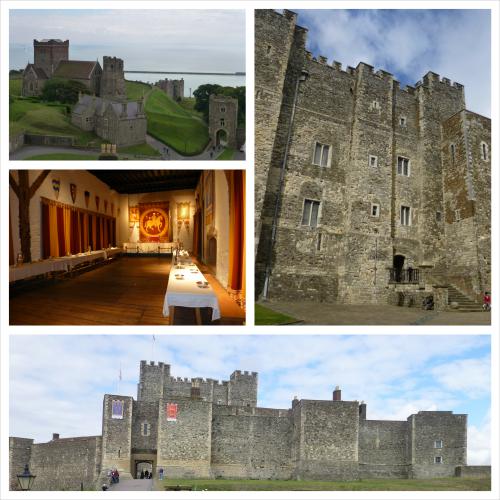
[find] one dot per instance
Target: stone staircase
(465, 304)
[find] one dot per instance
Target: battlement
(431, 78)
(51, 41)
(245, 374)
(110, 62)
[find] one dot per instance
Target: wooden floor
(128, 291)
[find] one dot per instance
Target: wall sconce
(183, 214)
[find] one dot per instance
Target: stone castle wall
(314, 440)
(47, 55)
(64, 464)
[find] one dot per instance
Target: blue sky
(169, 40)
(62, 379)
(408, 43)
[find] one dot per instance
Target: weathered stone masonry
(358, 197)
(219, 431)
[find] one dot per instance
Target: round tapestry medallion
(154, 223)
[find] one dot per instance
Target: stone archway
(142, 466)
(221, 138)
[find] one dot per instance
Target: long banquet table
(60, 264)
(187, 292)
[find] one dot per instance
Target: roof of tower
(75, 69)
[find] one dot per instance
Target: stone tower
(48, 53)
(352, 176)
(223, 120)
(112, 79)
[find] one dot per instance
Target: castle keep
(210, 429)
(365, 192)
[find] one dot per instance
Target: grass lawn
(139, 149)
(441, 484)
(173, 125)
(15, 86)
(34, 117)
(227, 154)
(63, 156)
(265, 316)
(188, 103)
(135, 90)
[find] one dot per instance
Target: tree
(202, 95)
(63, 91)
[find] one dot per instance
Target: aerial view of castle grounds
(158, 86)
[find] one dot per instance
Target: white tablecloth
(148, 247)
(186, 293)
(54, 265)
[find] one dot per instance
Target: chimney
(362, 411)
(55, 436)
(337, 394)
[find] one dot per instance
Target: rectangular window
(145, 429)
(222, 122)
(484, 151)
(310, 213)
(438, 460)
(438, 443)
(375, 210)
(438, 216)
(405, 216)
(452, 152)
(321, 155)
(402, 121)
(373, 161)
(457, 215)
(403, 166)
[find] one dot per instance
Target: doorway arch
(398, 262)
(143, 466)
(221, 137)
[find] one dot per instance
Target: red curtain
(74, 234)
(236, 181)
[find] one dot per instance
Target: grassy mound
(135, 90)
(28, 115)
(175, 126)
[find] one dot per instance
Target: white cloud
(455, 44)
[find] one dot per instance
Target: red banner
(171, 410)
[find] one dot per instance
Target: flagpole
(119, 377)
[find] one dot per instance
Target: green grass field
(139, 149)
(227, 154)
(33, 117)
(15, 86)
(442, 484)
(173, 125)
(63, 156)
(135, 90)
(188, 104)
(265, 316)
